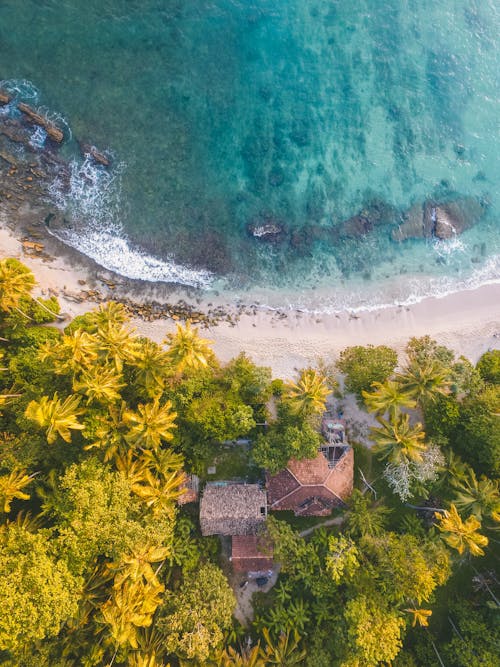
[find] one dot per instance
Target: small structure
(251, 553)
(232, 509)
(190, 488)
(313, 487)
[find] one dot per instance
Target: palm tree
(308, 395)
(162, 462)
(387, 397)
(72, 353)
(461, 535)
(481, 498)
(116, 344)
(152, 365)
(398, 441)
(420, 616)
(159, 494)
(425, 381)
(187, 350)
(58, 417)
(364, 517)
(250, 657)
(151, 424)
(137, 565)
(16, 282)
(285, 652)
(130, 607)
(12, 485)
(110, 313)
(100, 384)
(110, 431)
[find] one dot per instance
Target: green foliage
(365, 517)
(407, 568)
(37, 591)
(364, 365)
(477, 638)
(195, 617)
(342, 560)
(220, 416)
(273, 450)
(489, 366)
(477, 435)
(251, 382)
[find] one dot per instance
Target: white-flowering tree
(405, 477)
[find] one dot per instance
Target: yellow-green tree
(308, 395)
(461, 535)
(187, 350)
(56, 416)
(387, 397)
(11, 487)
(398, 440)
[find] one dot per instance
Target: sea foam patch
(91, 197)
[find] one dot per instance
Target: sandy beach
(468, 322)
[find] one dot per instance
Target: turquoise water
(226, 113)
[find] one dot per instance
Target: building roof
(251, 553)
(232, 509)
(312, 486)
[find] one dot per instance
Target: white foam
(93, 199)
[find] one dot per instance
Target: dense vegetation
(99, 564)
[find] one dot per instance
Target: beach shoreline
(468, 322)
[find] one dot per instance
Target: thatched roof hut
(232, 509)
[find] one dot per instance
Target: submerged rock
(97, 156)
(453, 218)
(441, 220)
(267, 228)
(358, 225)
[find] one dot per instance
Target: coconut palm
(12, 485)
(187, 350)
(116, 344)
(151, 424)
(387, 397)
(420, 616)
(16, 282)
(162, 462)
(397, 440)
(308, 395)
(72, 353)
(58, 417)
(110, 431)
(109, 313)
(230, 657)
(285, 652)
(137, 565)
(365, 518)
(100, 384)
(152, 365)
(131, 607)
(159, 494)
(425, 381)
(461, 535)
(479, 497)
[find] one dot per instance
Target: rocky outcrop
(376, 212)
(4, 97)
(97, 156)
(53, 132)
(439, 220)
(453, 218)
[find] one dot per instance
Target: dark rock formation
(441, 220)
(53, 132)
(358, 225)
(97, 156)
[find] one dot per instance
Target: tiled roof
(280, 485)
(310, 471)
(250, 546)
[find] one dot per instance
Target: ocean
(269, 150)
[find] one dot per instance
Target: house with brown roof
(313, 487)
(228, 508)
(251, 553)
